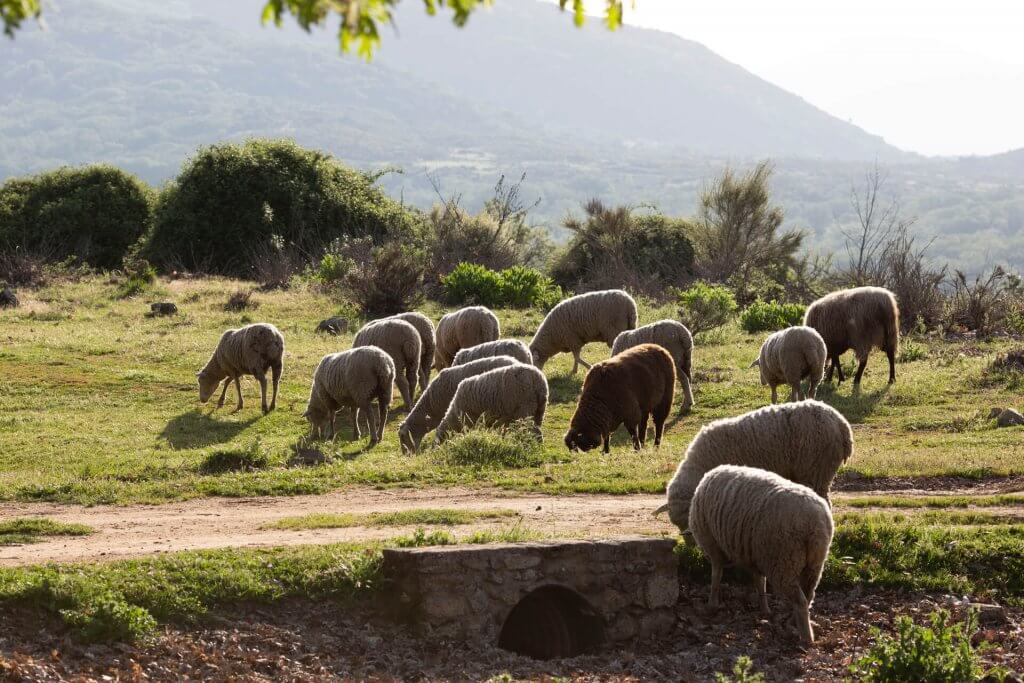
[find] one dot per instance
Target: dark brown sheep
(860, 319)
(627, 388)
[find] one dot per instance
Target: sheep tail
(756, 363)
(663, 508)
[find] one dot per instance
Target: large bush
(704, 307)
(93, 213)
(234, 203)
(515, 287)
(615, 247)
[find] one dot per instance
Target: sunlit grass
(418, 516)
(35, 529)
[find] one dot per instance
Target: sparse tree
(878, 223)
(738, 231)
(982, 304)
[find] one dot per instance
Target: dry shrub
(240, 301)
(980, 305)
(390, 282)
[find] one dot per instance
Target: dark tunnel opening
(552, 622)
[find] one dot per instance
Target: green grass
(420, 517)
(36, 529)
(98, 404)
(932, 518)
(998, 500)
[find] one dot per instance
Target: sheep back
(623, 388)
(395, 337)
(581, 319)
(861, 318)
(500, 347)
(805, 442)
(428, 337)
(350, 379)
(671, 335)
(461, 329)
(250, 349)
(497, 397)
(790, 355)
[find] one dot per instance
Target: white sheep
(788, 357)
(353, 379)
(428, 342)
(249, 350)
(579, 320)
(401, 341)
(500, 347)
(461, 329)
(805, 442)
(433, 403)
(776, 529)
(497, 397)
(674, 338)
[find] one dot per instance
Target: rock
(8, 299)
(1009, 418)
(991, 615)
(162, 308)
(336, 326)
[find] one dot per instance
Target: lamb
(501, 347)
(352, 378)
(579, 320)
(463, 328)
(860, 319)
(630, 387)
(497, 397)
(776, 529)
(805, 442)
(428, 341)
(789, 356)
(674, 338)
(249, 350)
(401, 341)
(434, 402)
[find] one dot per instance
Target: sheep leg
(891, 353)
(812, 388)
(716, 584)
(839, 368)
(238, 388)
(801, 612)
(382, 401)
(860, 370)
(275, 371)
(227, 383)
(633, 432)
(762, 593)
(262, 379)
(775, 395)
(684, 379)
(371, 416)
(606, 442)
(424, 376)
(355, 424)
(796, 393)
(643, 428)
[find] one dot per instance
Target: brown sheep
(627, 388)
(861, 319)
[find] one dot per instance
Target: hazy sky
(932, 76)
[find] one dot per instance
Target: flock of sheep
(751, 490)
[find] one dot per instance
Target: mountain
(637, 116)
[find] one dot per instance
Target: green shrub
(248, 459)
(769, 316)
(939, 653)
(705, 307)
(93, 213)
(515, 447)
(108, 617)
(742, 672)
(229, 200)
(516, 287)
(137, 275)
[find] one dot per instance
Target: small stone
(1009, 418)
(991, 615)
(8, 299)
(335, 326)
(163, 308)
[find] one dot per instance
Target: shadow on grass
(196, 429)
(855, 405)
(564, 388)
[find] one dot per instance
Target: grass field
(99, 404)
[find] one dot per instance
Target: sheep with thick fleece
(353, 378)
(776, 529)
(581, 319)
(496, 398)
(500, 347)
(401, 341)
(428, 341)
(433, 403)
(861, 319)
(249, 350)
(674, 338)
(805, 442)
(788, 357)
(461, 329)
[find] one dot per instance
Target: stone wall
(467, 592)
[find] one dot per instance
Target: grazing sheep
(500, 347)
(860, 319)
(630, 387)
(401, 341)
(461, 329)
(428, 340)
(579, 320)
(770, 526)
(498, 397)
(674, 338)
(352, 378)
(249, 350)
(805, 442)
(433, 404)
(789, 356)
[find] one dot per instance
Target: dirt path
(134, 531)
